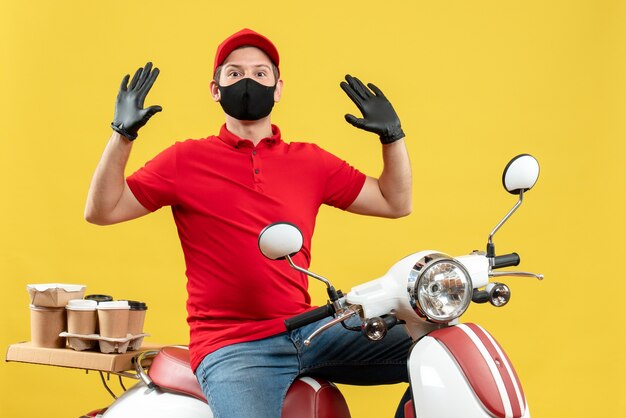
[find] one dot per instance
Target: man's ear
(215, 92)
(278, 91)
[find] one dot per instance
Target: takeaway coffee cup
(136, 317)
(98, 299)
(45, 326)
(113, 318)
(82, 317)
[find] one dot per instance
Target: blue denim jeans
(250, 380)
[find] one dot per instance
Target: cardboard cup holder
(60, 315)
(106, 345)
(111, 318)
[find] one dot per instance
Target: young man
(223, 190)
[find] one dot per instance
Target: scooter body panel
(139, 402)
(453, 375)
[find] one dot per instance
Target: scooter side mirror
(279, 240)
(520, 174)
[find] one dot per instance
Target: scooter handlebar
(506, 260)
(309, 317)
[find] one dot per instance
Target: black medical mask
(247, 99)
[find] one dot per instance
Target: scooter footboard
(462, 371)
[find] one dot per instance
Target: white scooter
(455, 370)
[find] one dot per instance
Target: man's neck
(255, 130)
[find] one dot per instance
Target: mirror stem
(491, 248)
(332, 293)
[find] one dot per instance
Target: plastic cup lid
(81, 305)
(99, 298)
(135, 305)
(115, 304)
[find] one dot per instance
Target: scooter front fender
(461, 371)
(139, 402)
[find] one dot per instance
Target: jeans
(250, 380)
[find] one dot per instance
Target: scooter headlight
(440, 288)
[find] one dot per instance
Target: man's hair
(218, 70)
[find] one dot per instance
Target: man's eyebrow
(239, 66)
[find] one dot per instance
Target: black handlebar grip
(506, 260)
(309, 317)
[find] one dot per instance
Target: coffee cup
(82, 317)
(45, 326)
(113, 318)
(136, 317)
(98, 299)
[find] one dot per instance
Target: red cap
(245, 37)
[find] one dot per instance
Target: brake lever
(346, 314)
(515, 274)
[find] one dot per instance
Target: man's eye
(234, 74)
(261, 74)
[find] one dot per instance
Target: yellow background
(475, 83)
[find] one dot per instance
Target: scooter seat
(311, 397)
(170, 370)
(308, 397)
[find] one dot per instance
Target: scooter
(455, 369)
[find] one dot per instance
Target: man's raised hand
(129, 112)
